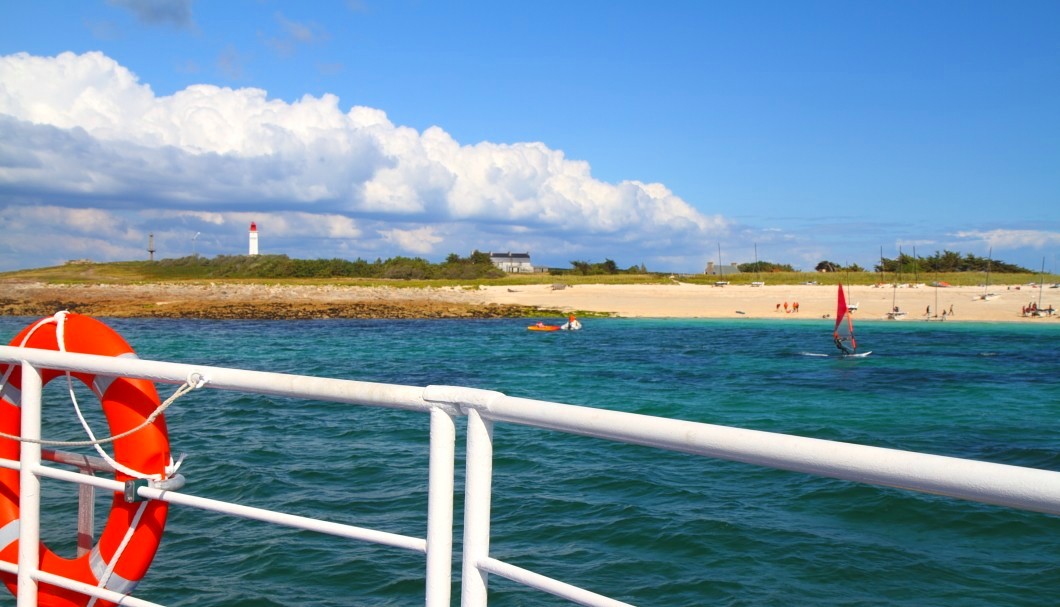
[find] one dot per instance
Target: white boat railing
(1004, 485)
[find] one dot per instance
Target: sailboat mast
(989, 261)
(897, 278)
(758, 269)
(882, 269)
(936, 292)
(1041, 284)
(916, 268)
(721, 270)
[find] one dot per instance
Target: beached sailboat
(721, 282)
(987, 295)
(843, 333)
(1037, 309)
(895, 313)
(929, 317)
(758, 280)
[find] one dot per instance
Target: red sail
(841, 308)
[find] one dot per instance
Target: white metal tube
(440, 489)
(549, 585)
(56, 580)
(998, 484)
(103, 593)
(29, 488)
(259, 514)
(260, 382)
(477, 488)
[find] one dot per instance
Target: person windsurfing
(843, 311)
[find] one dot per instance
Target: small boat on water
(572, 324)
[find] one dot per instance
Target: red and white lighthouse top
(253, 227)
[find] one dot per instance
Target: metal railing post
(29, 487)
(478, 487)
(86, 516)
(440, 483)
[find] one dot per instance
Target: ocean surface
(641, 525)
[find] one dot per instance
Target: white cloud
(419, 240)
(1013, 239)
(82, 131)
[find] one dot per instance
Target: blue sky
(646, 133)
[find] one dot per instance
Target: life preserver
(127, 403)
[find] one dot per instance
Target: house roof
(510, 256)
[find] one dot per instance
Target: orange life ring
(126, 403)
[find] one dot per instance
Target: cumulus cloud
(419, 240)
(1013, 239)
(82, 132)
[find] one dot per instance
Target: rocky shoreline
(251, 301)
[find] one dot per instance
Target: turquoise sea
(643, 526)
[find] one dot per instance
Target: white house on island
(513, 263)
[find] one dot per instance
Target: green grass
(126, 272)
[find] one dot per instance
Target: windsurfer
(842, 346)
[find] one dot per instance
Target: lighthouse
(253, 238)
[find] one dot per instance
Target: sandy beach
(673, 300)
(684, 300)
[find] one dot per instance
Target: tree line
(945, 261)
(758, 267)
(607, 266)
(475, 266)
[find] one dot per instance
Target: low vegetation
(476, 269)
(946, 261)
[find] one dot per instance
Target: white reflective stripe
(101, 383)
(99, 568)
(9, 534)
(11, 394)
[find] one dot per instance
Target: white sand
(683, 300)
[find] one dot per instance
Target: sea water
(641, 525)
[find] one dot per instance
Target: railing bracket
(131, 487)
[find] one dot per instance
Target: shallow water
(643, 526)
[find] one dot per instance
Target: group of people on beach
(927, 312)
(794, 307)
(1032, 309)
